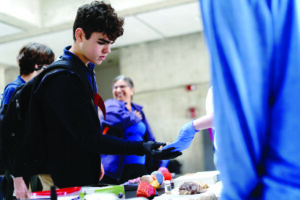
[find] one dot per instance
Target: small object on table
(146, 190)
(163, 169)
(147, 178)
(167, 187)
(166, 173)
(172, 184)
(132, 181)
(159, 176)
(189, 188)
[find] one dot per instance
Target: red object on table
(167, 175)
(145, 190)
(59, 192)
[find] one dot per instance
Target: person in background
(128, 121)
(76, 141)
(31, 59)
(254, 48)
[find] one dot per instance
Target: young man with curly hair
(73, 131)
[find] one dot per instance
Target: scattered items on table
(190, 188)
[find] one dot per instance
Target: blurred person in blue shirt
(254, 47)
(32, 58)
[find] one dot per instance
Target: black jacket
(73, 132)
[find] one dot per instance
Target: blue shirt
(254, 47)
(135, 133)
(10, 89)
(118, 117)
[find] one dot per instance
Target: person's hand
(21, 190)
(150, 146)
(138, 114)
(184, 138)
(165, 154)
(152, 149)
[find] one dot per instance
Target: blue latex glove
(184, 138)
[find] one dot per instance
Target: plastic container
(167, 187)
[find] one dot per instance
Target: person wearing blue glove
(185, 137)
(189, 129)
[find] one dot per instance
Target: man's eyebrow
(105, 41)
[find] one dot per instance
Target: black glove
(165, 154)
(150, 146)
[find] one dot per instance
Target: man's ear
(79, 34)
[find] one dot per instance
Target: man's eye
(101, 43)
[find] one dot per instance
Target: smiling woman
(123, 90)
(127, 120)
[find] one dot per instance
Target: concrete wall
(7, 75)
(161, 70)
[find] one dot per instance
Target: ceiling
(145, 20)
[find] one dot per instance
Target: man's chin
(98, 62)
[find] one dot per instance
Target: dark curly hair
(98, 17)
(34, 54)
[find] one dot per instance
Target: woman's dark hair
(124, 78)
(34, 54)
(98, 17)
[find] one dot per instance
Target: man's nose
(107, 48)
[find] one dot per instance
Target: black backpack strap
(66, 64)
(63, 64)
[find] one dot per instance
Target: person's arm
(117, 116)
(203, 122)
(20, 188)
(64, 94)
(188, 131)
